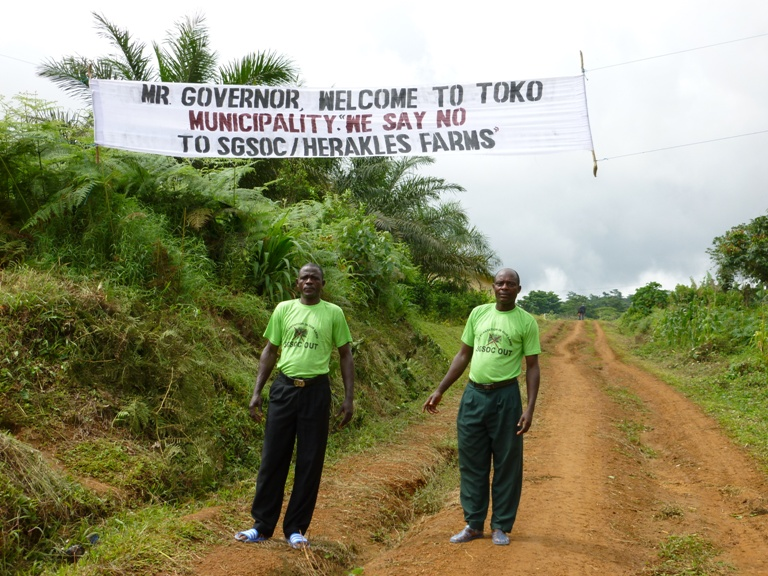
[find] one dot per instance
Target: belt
(302, 382)
(494, 385)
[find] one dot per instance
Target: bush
(446, 301)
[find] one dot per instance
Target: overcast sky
(661, 77)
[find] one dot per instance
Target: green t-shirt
(499, 341)
(307, 335)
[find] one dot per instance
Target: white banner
(203, 120)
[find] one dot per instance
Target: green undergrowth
(133, 407)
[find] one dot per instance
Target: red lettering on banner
(359, 123)
(394, 121)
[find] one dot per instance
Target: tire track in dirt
(611, 451)
(721, 490)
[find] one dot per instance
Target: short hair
(507, 270)
(316, 266)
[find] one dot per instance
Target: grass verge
(687, 555)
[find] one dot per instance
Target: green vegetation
(646, 299)
(135, 290)
(541, 302)
(688, 555)
(742, 253)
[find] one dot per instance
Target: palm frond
(71, 73)
(197, 219)
(409, 206)
(130, 63)
(189, 57)
(259, 69)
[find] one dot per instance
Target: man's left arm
(348, 377)
(532, 377)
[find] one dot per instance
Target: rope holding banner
(594, 157)
(594, 164)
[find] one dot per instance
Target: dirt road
(616, 462)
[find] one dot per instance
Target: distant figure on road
(491, 421)
(582, 312)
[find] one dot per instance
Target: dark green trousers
(487, 431)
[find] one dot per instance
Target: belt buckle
(299, 383)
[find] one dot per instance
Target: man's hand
(524, 424)
(346, 411)
(431, 404)
(455, 370)
(254, 407)
(267, 362)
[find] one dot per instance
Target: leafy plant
(742, 252)
(135, 416)
(409, 206)
(271, 257)
(646, 299)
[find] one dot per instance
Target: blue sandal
(298, 541)
(466, 535)
(499, 537)
(250, 535)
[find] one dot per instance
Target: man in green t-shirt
(305, 331)
(491, 421)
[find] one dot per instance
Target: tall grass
(37, 504)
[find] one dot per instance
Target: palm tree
(408, 205)
(185, 56)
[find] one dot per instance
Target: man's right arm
(456, 369)
(267, 362)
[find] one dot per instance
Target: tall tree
(646, 299)
(185, 56)
(541, 302)
(409, 205)
(742, 253)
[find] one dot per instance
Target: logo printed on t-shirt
(301, 333)
(494, 344)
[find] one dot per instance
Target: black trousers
(297, 416)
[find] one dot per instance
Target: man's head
(506, 287)
(310, 283)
